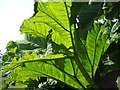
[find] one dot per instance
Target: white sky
(12, 14)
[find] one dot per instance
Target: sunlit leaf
(50, 16)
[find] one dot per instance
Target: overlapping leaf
(95, 44)
(89, 52)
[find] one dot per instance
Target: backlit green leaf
(50, 16)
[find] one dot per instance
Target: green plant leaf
(95, 44)
(19, 48)
(89, 52)
(50, 16)
(118, 82)
(42, 42)
(46, 66)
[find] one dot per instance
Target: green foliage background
(64, 41)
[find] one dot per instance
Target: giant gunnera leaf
(67, 56)
(34, 66)
(50, 15)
